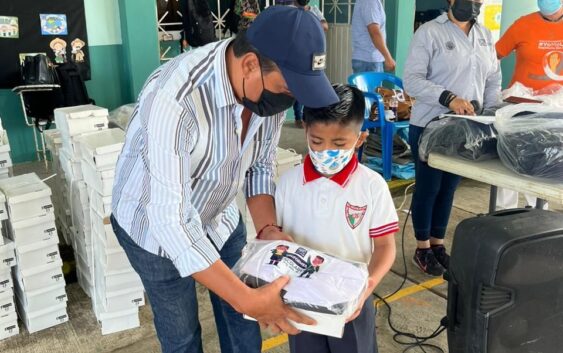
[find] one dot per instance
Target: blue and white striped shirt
(183, 164)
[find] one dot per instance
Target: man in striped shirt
(206, 125)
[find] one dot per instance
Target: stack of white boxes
(53, 142)
(5, 159)
(88, 157)
(73, 122)
(8, 318)
(118, 291)
(39, 282)
(285, 160)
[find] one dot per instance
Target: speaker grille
(493, 299)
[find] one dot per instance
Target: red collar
(341, 178)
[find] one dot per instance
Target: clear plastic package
(459, 137)
(120, 116)
(530, 139)
(322, 286)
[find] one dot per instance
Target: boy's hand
(367, 293)
(273, 233)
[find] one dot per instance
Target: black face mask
(465, 10)
(269, 103)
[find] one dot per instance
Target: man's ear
(250, 65)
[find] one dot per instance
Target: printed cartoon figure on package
(320, 283)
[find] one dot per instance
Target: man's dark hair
(348, 111)
(241, 46)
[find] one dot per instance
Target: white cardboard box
(34, 230)
(100, 181)
(76, 120)
(84, 249)
(70, 165)
(3, 209)
(27, 197)
(7, 302)
(111, 258)
(5, 173)
(39, 277)
(103, 229)
(106, 281)
(38, 254)
(42, 298)
(5, 160)
(285, 160)
(9, 325)
(120, 299)
(86, 268)
(7, 255)
(102, 148)
(84, 282)
(6, 283)
(100, 204)
(327, 324)
(43, 319)
(117, 321)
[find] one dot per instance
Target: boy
(334, 204)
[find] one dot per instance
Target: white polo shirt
(338, 215)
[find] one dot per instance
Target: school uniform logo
(354, 214)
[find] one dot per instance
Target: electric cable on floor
(415, 341)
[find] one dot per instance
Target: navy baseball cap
(294, 39)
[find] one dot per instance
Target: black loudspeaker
(505, 290)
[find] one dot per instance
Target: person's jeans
(433, 195)
(298, 111)
(174, 302)
(366, 66)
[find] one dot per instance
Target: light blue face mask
(330, 162)
(549, 7)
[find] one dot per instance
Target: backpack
(198, 23)
(38, 70)
(72, 85)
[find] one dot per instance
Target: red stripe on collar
(341, 178)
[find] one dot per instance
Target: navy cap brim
(314, 91)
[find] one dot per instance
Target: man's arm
(260, 187)
(176, 225)
(379, 43)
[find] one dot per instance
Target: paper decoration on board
(53, 24)
(77, 53)
(9, 27)
(59, 48)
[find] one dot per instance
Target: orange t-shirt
(539, 50)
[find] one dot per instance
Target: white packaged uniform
(338, 216)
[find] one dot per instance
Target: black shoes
(426, 261)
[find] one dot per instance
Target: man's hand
(390, 64)
(273, 233)
(266, 306)
(461, 106)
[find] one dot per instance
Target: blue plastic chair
(368, 82)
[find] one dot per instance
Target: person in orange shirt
(537, 39)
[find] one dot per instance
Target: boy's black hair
(349, 110)
(242, 46)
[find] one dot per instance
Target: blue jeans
(174, 302)
(366, 66)
(433, 194)
(298, 111)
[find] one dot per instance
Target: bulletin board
(55, 28)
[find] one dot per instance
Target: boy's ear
(363, 137)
